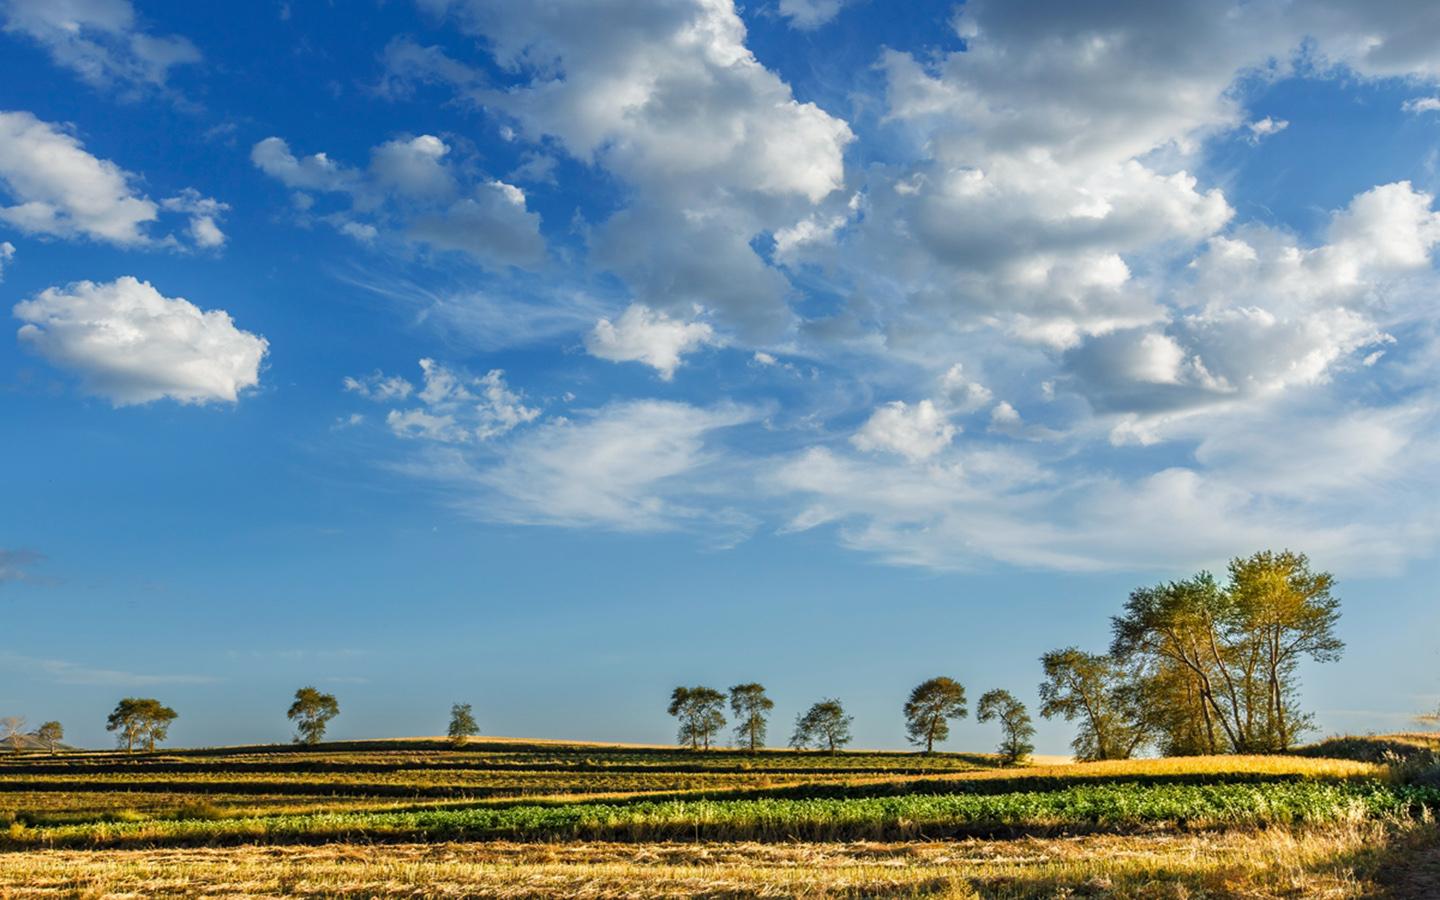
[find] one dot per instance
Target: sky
(546, 356)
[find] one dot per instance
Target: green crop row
(1111, 807)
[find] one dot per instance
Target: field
(543, 819)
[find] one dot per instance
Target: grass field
(547, 819)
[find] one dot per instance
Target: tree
(824, 725)
(462, 724)
(701, 714)
(50, 734)
(930, 708)
(750, 706)
(12, 730)
(1015, 724)
(1217, 663)
(311, 712)
(1093, 688)
(140, 720)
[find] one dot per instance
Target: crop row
(1106, 807)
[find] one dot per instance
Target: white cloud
(100, 40)
(808, 15)
(63, 191)
(379, 387)
(455, 408)
(412, 190)
(668, 98)
(915, 432)
(644, 335)
(131, 345)
(1263, 128)
(204, 215)
(633, 466)
(1418, 105)
(7, 255)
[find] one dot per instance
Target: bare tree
(12, 730)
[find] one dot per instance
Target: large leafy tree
(140, 720)
(824, 725)
(931, 706)
(1015, 725)
(701, 711)
(1217, 663)
(462, 724)
(751, 708)
(311, 712)
(1094, 688)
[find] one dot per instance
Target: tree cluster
(1200, 666)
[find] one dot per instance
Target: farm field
(530, 819)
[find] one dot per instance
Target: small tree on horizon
(462, 724)
(140, 719)
(311, 712)
(1015, 724)
(930, 708)
(12, 731)
(701, 713)
(750, 706)
(50, 734)
(823, 725)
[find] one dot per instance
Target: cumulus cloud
(131, 345)
(59, 189)
(7, 255)
(410, 189)
(1418, 105)
(644, 335)
(100, 40)
(454, 408)
(667, 97)
(1263, 128)
(915, 432)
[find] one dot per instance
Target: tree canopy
(140, 720)
(931, 706)
(701, 714)
(751, 707)
(311, 712)
(1015, 724)
(824, 725)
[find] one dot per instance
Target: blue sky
(546, 356)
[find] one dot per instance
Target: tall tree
(701, 714)
(140, 720)
(12, 732)
(931, 706)
(462, 724)
(1015, 725)
(823, 725)
(311, 712)
(1093, 688)
(50, 734)
(751, 707)
(1218, 662)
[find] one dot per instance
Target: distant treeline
(1195, 666)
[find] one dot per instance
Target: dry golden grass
(1337, 862)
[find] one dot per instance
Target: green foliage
(931, 706)
(1094, 689)
(311, 712)
(50, 734)
(1112, 807)
(701, 714)
(462, 724)
(823, 725)
(1015, 724)
(140, 720)
(750, 705)
(1217, 663)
